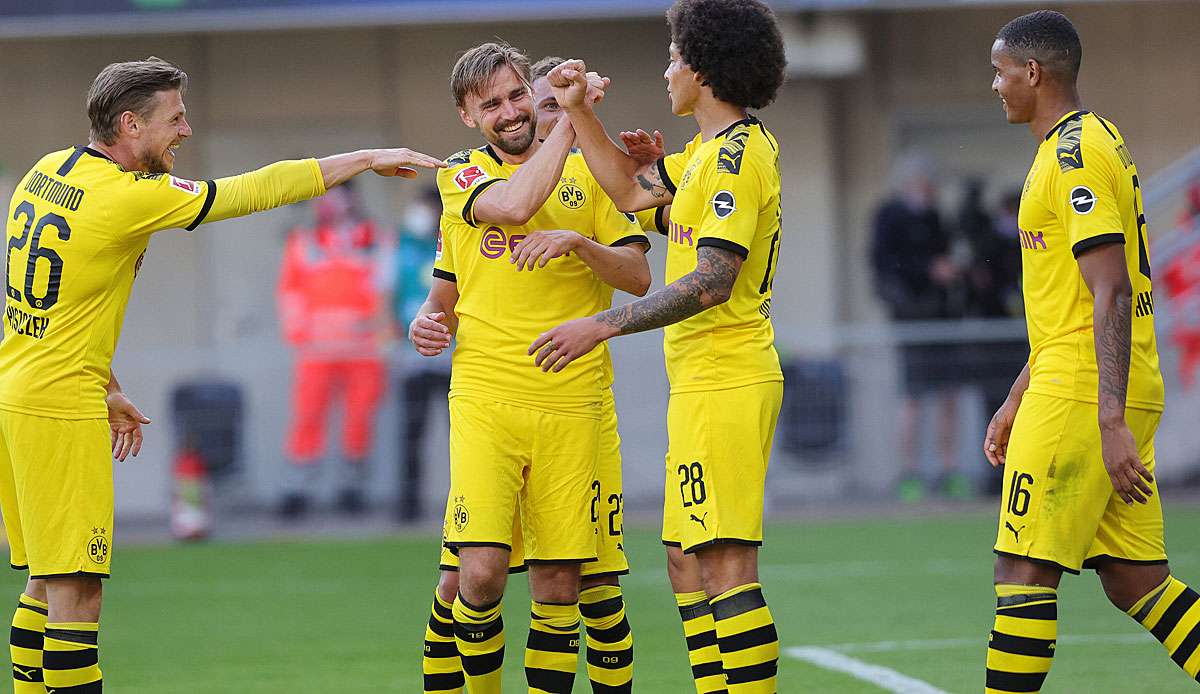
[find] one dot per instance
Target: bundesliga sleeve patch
(1082, 199)
(185, 185)
(438, 253)
(723, 204)
(469, 176)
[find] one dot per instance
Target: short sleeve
(613, 227)
(460, 186)
(443, 259)
(731, 204)
(1086, 198)
(670, 168)
(653, 219)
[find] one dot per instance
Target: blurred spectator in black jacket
(916, 277)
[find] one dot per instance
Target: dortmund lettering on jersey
(1082, 191)
(726, 195)
(77, 230)
(501, 310)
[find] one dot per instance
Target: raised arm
(515, 200)
(1107, 277)
(632, 186)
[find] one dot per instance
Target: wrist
(1112, 421)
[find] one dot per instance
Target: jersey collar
(748, 120)
(1064, 120)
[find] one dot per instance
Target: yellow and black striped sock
(71, 658)
(1172, 613)
(701, 635)
(747, 639)
(25, 645)
(479, 634)
(1021, 645)
(552, 652)
(609, 640)
(441, 665)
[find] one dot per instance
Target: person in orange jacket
(332, 307)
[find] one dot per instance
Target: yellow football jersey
(1083, 191)
(78, 227)
(502, 311)
(726, 194)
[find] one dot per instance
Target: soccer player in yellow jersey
(78, 227)
(1076, 434)
(726, 56)
(527, 236)
(609, 640)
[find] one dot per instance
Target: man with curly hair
(726, 56)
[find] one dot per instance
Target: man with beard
(526, 233)
(78, 227)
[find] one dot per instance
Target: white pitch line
(882, 677)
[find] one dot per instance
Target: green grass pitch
(322, 617)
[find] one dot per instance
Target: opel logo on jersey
(1082, 199)
(723, 204)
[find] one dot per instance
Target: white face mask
(420, 221)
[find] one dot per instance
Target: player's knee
(36, 589)
(1125, 584)
(1023, 572)
(554, 583)
(586, 582)
(74, 598)
(727, 566)
(447, 586)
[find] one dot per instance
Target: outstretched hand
(125, 422)
(643, 147)
(402, 162)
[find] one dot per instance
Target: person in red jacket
(333, 311)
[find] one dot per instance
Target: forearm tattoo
(652, 184)
(709, 284)
(1112, 354)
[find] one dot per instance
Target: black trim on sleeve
(659, 223)
(1101, 240)
(70, 162)
(209, 196)
(468, 214)
(632, 238)
(723, 244)
(443, 275)
(666, 177)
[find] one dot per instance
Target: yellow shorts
(717, 455)
(508, 459)
(607, 510)
(56, 494)
(1058, 505)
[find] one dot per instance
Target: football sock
(701, 635)
(1021, 645)
(552, 651)
(1171, 612)
(479, 634)
(70, 658)
(747, 639)
(609, 640)
(25, 645)
(441, 665)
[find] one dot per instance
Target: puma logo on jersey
(33, 674)
(1015, 531)
(700, 520)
